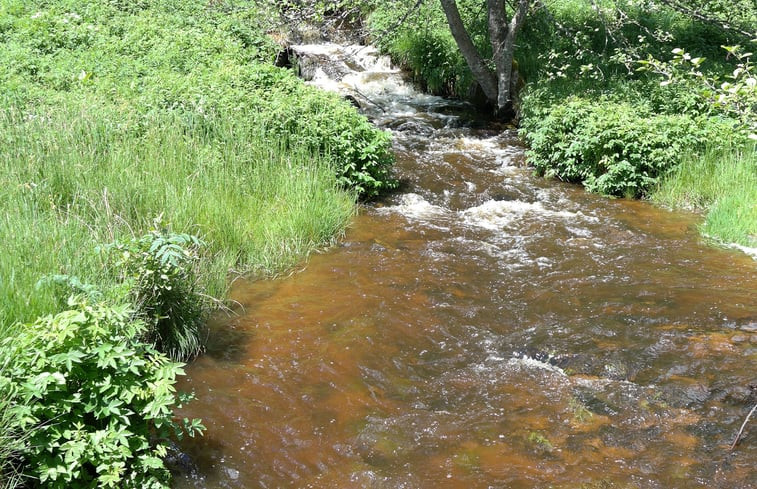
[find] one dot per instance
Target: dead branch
(679, 7)
(743, 425)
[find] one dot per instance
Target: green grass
(81, 175)
(8, 421)
(723, 184)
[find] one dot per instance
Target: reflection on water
(482, 328)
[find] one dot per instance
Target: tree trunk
(503, 58)
(497, 86)
(483, 75)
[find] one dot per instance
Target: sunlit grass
(75, 178)
(722, 182)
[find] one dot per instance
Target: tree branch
(743, 425)
(677, 6)
(401, 21)
(485, 77)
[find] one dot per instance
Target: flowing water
(482, 328)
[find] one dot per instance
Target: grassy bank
(596, 111)
(723, 185)
(148, 151)
(76, 180)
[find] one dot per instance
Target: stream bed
(481, 328)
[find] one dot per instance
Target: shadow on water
(226, 340)
(483, 328)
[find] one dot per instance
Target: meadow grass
(8, 423)
(721, 182)
(81, 175)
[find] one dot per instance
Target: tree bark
(498, 85)
(483, 75)
(502, 37)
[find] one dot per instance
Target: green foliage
(10, 433)
(98, 402)
(190, 59)
(77, 177)
(160, 270)
(611, 148)
(734, 95)
(324, 124)
(723, 183)
(423, 44)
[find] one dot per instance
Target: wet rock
(581, 364)
(739, 395)
(750, 327)
(615, 371)
(697, 393)
(309, 64)
(284, 58)
(595, 404)
(739, 338)
(411, 126)
(179, 463)
(689, 395)
(352, 100)
(614, 436)
(232, 474)
(504, 196)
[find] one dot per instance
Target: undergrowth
(78, 178)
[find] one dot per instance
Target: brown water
(484, 328)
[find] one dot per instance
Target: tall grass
(9, 437)
(79, 175)
(722, 182)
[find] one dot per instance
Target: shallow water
(482, 328)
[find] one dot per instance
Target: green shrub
(98, 402)
(159, 270)
(286, 108)
(612, 148)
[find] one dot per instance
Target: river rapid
(481, 328)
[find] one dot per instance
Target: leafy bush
(159, 270)
(323, 123)
(97, 403)
(612, 148)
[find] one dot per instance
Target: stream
(481, 328)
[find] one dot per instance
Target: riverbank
(150, 153)
(595, 111)
(480, 327)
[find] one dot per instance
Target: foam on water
(414, 206)
(746, 249)
(498, 214)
